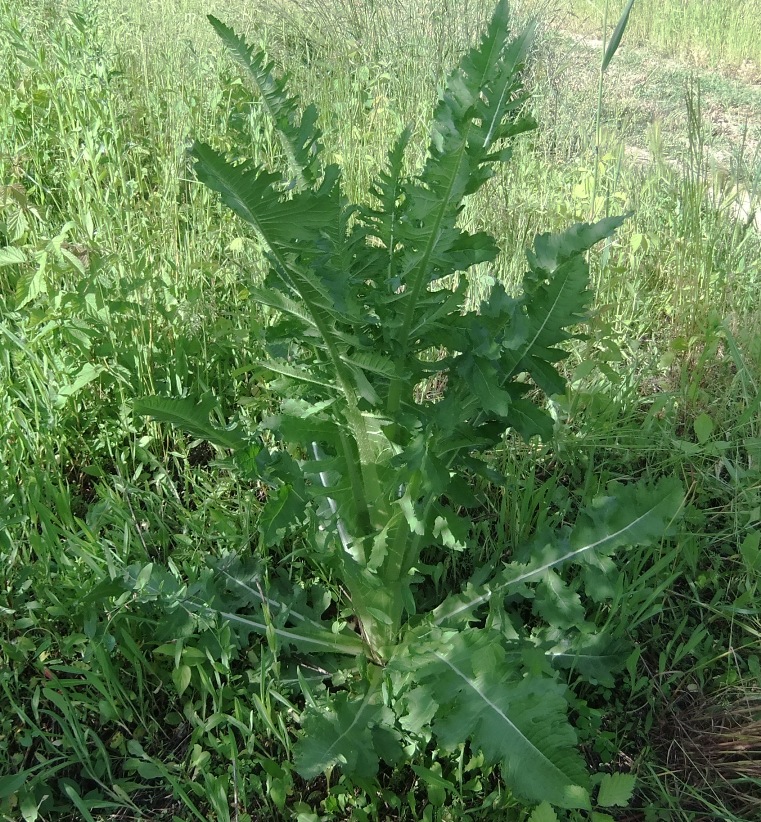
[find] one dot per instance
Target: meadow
(122, 278)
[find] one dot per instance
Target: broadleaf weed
(370, 472)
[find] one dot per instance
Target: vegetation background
(120, 276)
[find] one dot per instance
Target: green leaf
(555, 299)
(298, 134)
(638, 515)
(299, 230)
(30, 285)
(557, 604)
(543, 813)
(552, 250)
(181, 678)
(388, 189)
(484, 381)
(344, 731)
(9, 255)
(372, 362)
(144, 577)
(251, 192)
(305, 638)
(215, 788)
(12, 784)
(478, 107)
(416, 525)
(704, 428)
(452, 530)
(432, 778)
(284, 304)
(87, 374)
(437, 787)
(290, 619)
(615, 39)
(298, 374)
(304, 430)
(192, 417)
(71, 791)
(616, 789)
(150, 770)
(749, 551)
(284, 510)
(518, 722)
(530, 421)
(595, 656)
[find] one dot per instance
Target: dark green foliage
(370, 474)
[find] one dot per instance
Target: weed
(374, 473)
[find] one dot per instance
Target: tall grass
(707, 32)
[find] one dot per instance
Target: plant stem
(598, 116)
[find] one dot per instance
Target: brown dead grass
(713, 744)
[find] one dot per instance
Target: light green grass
(147, 293)
(703, 32)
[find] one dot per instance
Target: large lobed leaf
(378, 474)
(283, 612)
(479, 106)
(193, 417)
(298, 133)
(284, 222)
(353, 732)
(476, 692)
(628, 515)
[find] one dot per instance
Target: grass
(129, 279)
(706, 33)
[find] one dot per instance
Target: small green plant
(394, 393)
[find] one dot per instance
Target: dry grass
(713, 744)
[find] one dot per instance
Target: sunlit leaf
(191, 416)
(616, 789)
(615, 39)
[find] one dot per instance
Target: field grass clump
(708, 33)
(124, 694)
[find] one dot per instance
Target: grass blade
(618, 33)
